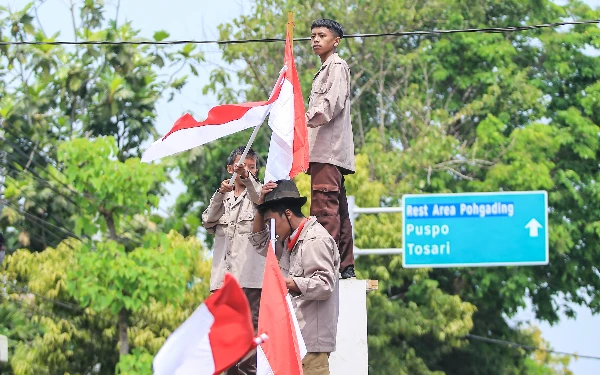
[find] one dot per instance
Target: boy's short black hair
(330, 24)
(281, 206)
(238, 152)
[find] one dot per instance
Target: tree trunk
(123, 338)
(110, 223)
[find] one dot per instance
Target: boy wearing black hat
(331, 140)
(309, 260)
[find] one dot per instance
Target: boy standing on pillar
(230, 217)
(331, 140)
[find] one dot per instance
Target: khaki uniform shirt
(230, 219)
(313, 264)
(328, 116)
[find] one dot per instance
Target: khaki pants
(330, 205)
(316, 364)
(247, 365)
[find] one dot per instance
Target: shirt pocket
(321, 87)
(245, 222)
(296, 269)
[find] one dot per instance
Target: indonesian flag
(288, 151)
(282, 354)
(222, 120)
(213, 338)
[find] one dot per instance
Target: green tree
(114, 298)
(55, 93)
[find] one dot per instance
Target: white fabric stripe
(301, 344)
(263, 367)
(281, 121)
(187, 351)
(186, 139)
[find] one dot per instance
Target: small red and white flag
(288, 151)
(282, 354)
(222, 120)
(213, 338)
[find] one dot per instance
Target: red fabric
(300, 146)
(223, 114)
(294, 238)
(232, 334)
(275, 320)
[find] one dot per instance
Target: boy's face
(250, 166)
(323, 40)
(282, 225)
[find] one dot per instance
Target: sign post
(475, 229)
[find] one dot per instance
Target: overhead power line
(57, 302)
(527, 347)
(271, 40)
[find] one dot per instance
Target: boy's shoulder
(338, 60)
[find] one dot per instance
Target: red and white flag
(222, 120)
(282, 354)
(288, 151)
(213, 338)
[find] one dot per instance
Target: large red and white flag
(288, 151)
(213, 338)
(282, 354)
(222, 120)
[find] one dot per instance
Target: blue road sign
(475, 229)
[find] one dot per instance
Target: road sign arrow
(533, 227)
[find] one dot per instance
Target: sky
(198, 20)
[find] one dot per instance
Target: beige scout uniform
(328, 116)
(231, 219)
(313, 264)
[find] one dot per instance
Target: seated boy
(309, 260)
(331, 140)
(229, 216)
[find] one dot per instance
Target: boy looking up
(331, 140)
(309, 260)
(229, 216)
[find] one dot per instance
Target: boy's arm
(318, 262)
(332, 102)
(214, 211)
(253, 186)
(260, 236)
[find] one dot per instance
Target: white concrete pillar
(3, 349)
(351, 355)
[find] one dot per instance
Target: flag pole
(273, 237)
(290, 30)
(245, 153)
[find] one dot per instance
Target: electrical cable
(514, 344)
(57, 302)
(271, 40)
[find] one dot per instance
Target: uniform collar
(324, 65)
(302, 233)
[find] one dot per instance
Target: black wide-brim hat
(285, 192)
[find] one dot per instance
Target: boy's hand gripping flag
(213, 338)
(222, 120)
(282, 354)
(288, 151)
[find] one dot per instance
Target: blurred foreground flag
(213, 338)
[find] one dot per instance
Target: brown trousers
(330, 205)
(247, 365)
